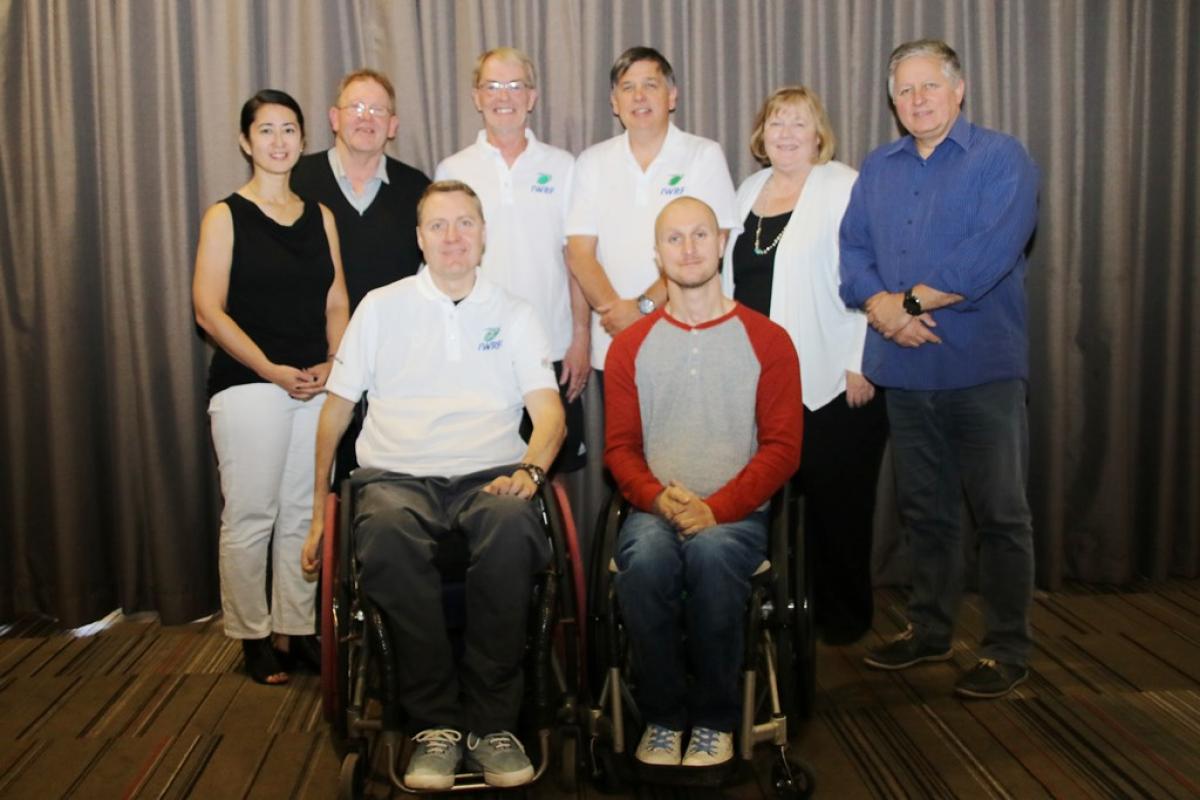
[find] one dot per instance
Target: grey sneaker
(708, 747)
(989, 679)
(660, 746)
(500, 757)
(434, 760)
(903, 651)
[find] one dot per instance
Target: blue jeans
(655, 568)
(945, 443)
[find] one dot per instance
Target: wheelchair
(358, 683)
(778, 675)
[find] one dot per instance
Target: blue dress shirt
(957, 221)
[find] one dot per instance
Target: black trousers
(839, 470)
(399, 520)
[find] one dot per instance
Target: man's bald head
(683, 209)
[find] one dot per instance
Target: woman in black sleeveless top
(268, 289)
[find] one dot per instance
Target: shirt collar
(960, 133)
(531, 142)
(480, 292)
(339, 172)
(669, 140)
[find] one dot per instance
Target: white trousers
(265, 443)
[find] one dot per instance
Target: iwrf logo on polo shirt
(673, 188)
(542, 184)
(491, 339)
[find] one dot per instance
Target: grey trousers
(399, 520)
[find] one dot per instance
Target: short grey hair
(934, 48)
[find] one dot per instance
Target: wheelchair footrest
(687, 776)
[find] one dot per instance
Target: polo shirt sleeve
(779, 416)
(352, 372)
(442, 173)
(716, 186)
(1002, 224)
(624, 443)
(531, 358)
(859, 268)
(585, 197)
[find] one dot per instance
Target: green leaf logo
(543, 179)
(490, 333)
(675, 179)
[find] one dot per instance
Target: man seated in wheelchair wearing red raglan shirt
(448, 362)
(703, 409)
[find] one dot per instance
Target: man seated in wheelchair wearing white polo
(704, 422)
(448, 362)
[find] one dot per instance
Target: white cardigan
(829, 337)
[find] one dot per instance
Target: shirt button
(693, 372)
(695, 349)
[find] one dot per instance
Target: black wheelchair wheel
(791, 780)
(351, 777)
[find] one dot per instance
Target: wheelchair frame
(356, 653)
(780, 642)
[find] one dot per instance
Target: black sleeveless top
(278, 283)
(753, 274)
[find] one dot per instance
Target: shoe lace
(704, 740)
(438, 741)
(904, 635)
(661, 738)
(990, 663)
(499, 741)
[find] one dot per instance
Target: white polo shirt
(525, 208)
(445, 382)
(615, 201)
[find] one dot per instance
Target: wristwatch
(645, 304)
(912, 304)
(535, 473)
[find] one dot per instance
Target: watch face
(912, 306)
(645, 305)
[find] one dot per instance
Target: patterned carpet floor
(1111, 710)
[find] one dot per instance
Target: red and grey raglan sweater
(716, 407)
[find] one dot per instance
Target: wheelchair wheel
(329, 700)
(791, 780)
(351, 777)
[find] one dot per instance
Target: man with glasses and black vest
(373, 197)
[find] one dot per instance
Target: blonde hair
(446, 187)
(506, 54)
(793, 95)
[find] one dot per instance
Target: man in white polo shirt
(620, 186)
(524, 185)
(447, 361)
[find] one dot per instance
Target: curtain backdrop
(120, 127)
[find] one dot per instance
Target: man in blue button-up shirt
(932, 248)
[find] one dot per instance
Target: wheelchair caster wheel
(791, 781)
(350, 779)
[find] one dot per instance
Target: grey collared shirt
(361, 202)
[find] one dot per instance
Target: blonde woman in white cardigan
(785, 264)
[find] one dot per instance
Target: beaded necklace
(762, 251)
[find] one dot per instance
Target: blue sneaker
(435, 760)
(660, 746)
(500, 757)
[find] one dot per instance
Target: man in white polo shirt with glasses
(447, 361)
(524, 186)
(620, 186)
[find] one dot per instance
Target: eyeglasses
(361, 109)
(491, 87)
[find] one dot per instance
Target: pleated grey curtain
(120, 128)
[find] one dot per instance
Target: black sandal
(261, 661)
